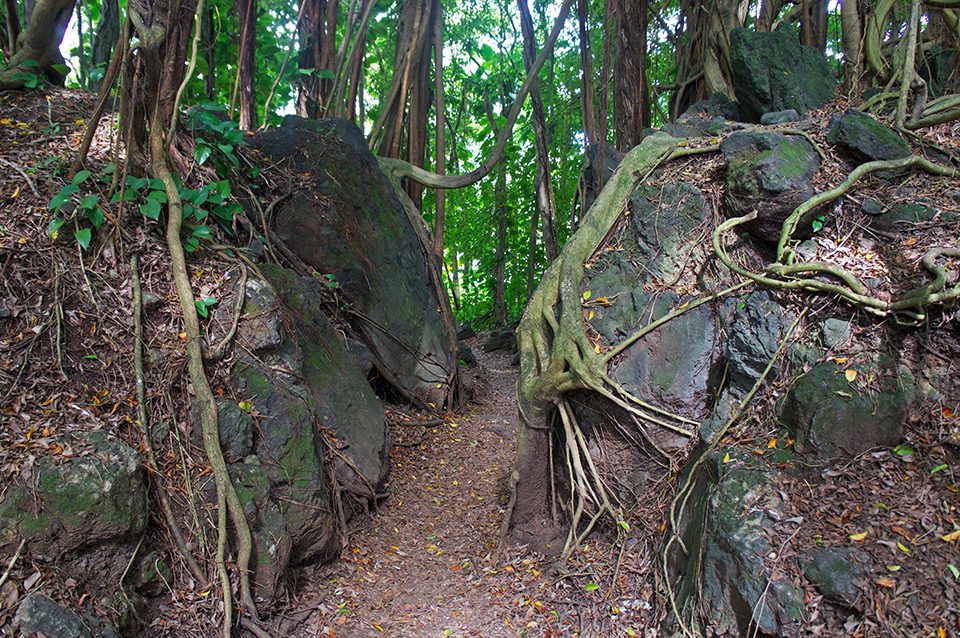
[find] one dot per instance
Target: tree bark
(247, 15)
(852, 33)
(631, 100)
(13, 26)
(108, 30)
(586, 74)
(769, 10)
(40, 42)
(543, 181)
(501, 214)
(440, 128)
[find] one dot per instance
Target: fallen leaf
(859, 537)
(590, 316)
(952, 536)
(591, 587)
(851, 375)
(586, 295)
(912, 241)
(772, 443)
(903, 548)
(889, 583)
(893, 568)
(840, 360)
(726, 458)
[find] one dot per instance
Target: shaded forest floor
(425, 564)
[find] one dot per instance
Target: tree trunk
(813, 24)
(108, 30)
(501, 214)
(631, 100)
(441, 134)
(247, 15)
(769, 10)
(852, 30)
(586, 75)
(40, 43)
(546, 204)
(12, 26)
(210, 52)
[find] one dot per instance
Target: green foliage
(71, 205)
(31, 79)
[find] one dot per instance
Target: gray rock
(838, 573)
(833, 332)
(773, 72)
(503, 339)
(730, 517)
(466, 354)
(904, 215)
(86, 500)
(870, 206)
(261, 330)
(831, 416)
(779, 117)
(717, 105)
(866, 139)
(38, 614)
(771, 174)
(236, 431)
(348, 221)
(758, 326)
(361, 355)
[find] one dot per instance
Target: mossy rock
(838, 573)
(866, 139)
(82, 501)
(726, 527)
(831, 416)
(772, 72)
(348, 222)
(759, 323)
(770, 174)
(39, 614)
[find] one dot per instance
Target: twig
(428, 423)
(23, 174)
(216, 352)
(13, 561)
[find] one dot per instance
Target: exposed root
(171, 521)
(227, 499)
(785, 275)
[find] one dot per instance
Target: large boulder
(772, 71)
(837, 410)
(96, 496)
(727, 527)
(770, 174)
(866, 139)
(40, 615)
(348, 222)
(759, 323)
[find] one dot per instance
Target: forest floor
(426, 563)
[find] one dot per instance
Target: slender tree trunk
(813, 23)
(543, 183)
(440, 127)
(769, 10)
(247, 15)
(210, 52)
(83, 59)
(309, 57)
(13, 26)
(852, 31)
(586, 75)
(108, 30)
(501, 215)
(631, 101)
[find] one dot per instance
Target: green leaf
(625, 525)
(202, 153)
(591, 587)
(83, 237)
(940, 468)
(325, 74)
(203, 305)
(201, 232)
(953, 570)
(55, 224)
(95, 215)
(31, 64)
(190, 244)
(150, 209)
(89, 202)
(81, 177)
(63, 196)
(226, 149)
(158, 195)
(62, 69)
(904, 450)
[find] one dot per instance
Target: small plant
(217, 138)
(68, 204)
(204, 305)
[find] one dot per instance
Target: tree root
(557, 357)
(227, 499)
(785, 275)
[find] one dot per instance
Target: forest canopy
(404, 70)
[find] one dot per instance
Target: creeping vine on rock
(786, 274)
(557, 357)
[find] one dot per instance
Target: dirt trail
(422, 564)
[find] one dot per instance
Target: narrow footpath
(423, 564)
